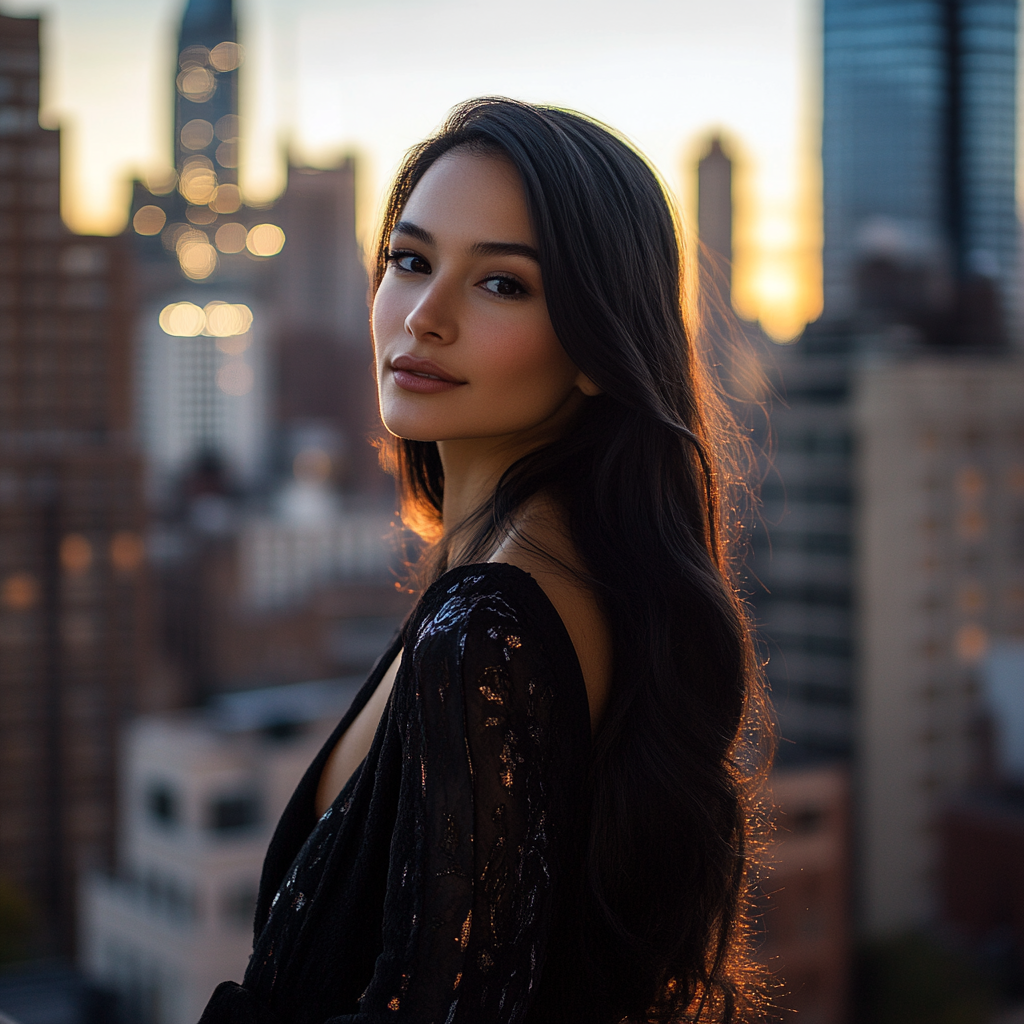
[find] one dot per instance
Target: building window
(239, 906)
(231, 813)
(162, 804)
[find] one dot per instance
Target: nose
(433, 317)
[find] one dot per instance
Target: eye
(506, 287)
(409, 262)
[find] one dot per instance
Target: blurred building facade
(919, 154)
(714, 219)
(202, 792)
(890, 561)
(256, 402)
(73, 597)
(940, 578)
(806, 933)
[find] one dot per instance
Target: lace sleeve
(495, 747)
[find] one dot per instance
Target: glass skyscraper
(918, 143)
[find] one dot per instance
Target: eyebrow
(407, 227)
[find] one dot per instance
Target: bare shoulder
(541, 530)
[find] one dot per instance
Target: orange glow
(20, 592)
(1015, 479)
(312, 465)
(126, 551)
(969, 482)
(75, 554)
(231, 237)
(149, 220)
(971, 643)
(235, 378)
(265, 240)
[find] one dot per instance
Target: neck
(473, 466)
(472, 469)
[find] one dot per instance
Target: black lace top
(437, 888)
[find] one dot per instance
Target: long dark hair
(643, 480)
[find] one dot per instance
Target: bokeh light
(265, 240)
(149, 220)
(226, 319)
(19, 592)
(226, 56)
(182, 319)
(228, 128)
(161, 182)
(227, 154)
(236, 378)
(127, 551)
(231, 237)
(200, 215)
(198, 182)
(196, 54)
(198, 259)
(75, 554)
(227, 199)
(196, 83)
(235, 345)
(196, 134)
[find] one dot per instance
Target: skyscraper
(918, 146)
(714, 218)
(206, 99)
(73, 626)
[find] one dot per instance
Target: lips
(423, 376)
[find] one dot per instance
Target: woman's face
(463, 341)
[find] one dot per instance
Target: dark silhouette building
(921, 256)
(73, 616)
(714, 219)
(918, 145)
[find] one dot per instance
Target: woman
(536, 808)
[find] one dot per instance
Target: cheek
(388, 315)
(526, 361)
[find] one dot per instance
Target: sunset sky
(324, 77)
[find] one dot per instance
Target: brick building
(73, 616)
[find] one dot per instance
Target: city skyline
(667, 78)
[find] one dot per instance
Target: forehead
(472, 197)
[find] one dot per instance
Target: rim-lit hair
(642, 476)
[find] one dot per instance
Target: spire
(207, 23)
(206, 96)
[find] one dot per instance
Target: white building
(202, 792)
(940, 584)
(200, 394)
